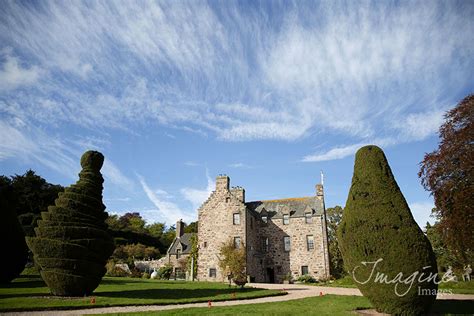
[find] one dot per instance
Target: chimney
(319, 190)
(222, 183)
(179, 228)
(239, 193)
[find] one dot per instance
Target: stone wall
(216, 226)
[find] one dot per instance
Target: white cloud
(240, 165)
(165, 210)
(334, 153)
(113, 174)
(13, 75)
(198, 196)
(358, 71)
(421, 212)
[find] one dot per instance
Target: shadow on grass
(441, 307)
(173, 294)
(33, 283)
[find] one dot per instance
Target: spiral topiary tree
(384, 250)
(12, 237)
(72, 244)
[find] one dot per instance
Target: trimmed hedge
(72, 244)
(377, 224)
(12, 238)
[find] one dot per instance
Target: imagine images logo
(399, 280)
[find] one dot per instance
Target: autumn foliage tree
(232, 260)
(448, 173)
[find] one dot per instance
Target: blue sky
(270, 93)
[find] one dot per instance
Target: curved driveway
(295, 291)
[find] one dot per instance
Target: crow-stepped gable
(285, 236)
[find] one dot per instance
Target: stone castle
(283, 237)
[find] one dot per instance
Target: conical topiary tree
(377, 224)
(12, 237)
(72, 244)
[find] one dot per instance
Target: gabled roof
(297, 207)
(183, 241)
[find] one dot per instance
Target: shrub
(11, 236)
(72, 245)
(145, 275)
(377, 224)
(306, 279)
(164, 273)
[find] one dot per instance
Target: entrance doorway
(270, 275)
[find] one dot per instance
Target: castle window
(265, 244)
(286, 219)
(287, 242)
(237, 242)
(310, 242)
(308, 217)
(205, 244)
(212, 272)
(236, 219)
(265, 219)
(227, 199)
(304, 270)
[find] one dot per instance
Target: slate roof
(296, 207)
(185, 241)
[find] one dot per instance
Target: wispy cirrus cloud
(239, 75)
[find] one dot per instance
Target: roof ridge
(284, 199)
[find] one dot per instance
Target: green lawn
(454, 287)
(325, 305)
(29, 292)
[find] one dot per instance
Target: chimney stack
(179, 228)
(222, 183)
(319, 190)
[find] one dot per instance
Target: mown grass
(452, 287)
(325, 305)
(29, 292)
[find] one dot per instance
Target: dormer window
(265, 219)
(286, 219)
(308, 217)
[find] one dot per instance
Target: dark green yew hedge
(12, 239)
(377, 224)
(72, 244)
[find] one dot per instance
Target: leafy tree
(378, 228)
(233, 262)
(168, 236)
(444, 257)
(334, 216)
(448, 173)
(72, 244)
(35, 194)
(133, 222)
(156, 229)
(12, 238)
(191, 228)
(193, 254)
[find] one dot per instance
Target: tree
(233, 262)
(12, 237)
(378, 233)
(334, 216)
(191, 228)
(156, 229)
(192, 260)
(444, 257)
(448, 173)
(72, 244)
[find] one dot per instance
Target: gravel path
(295, 291)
